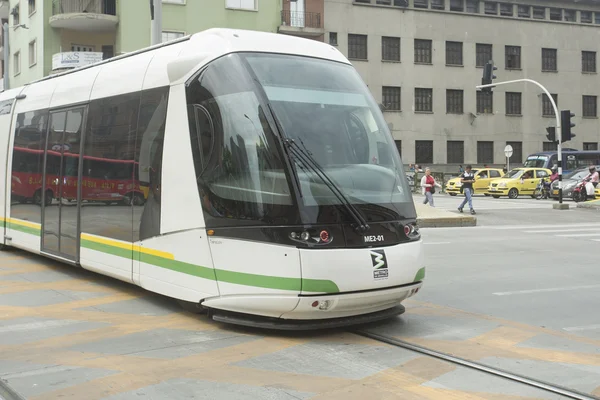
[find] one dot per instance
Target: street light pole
(6, 54)
(558, 131)
(156, 16)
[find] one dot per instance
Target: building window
(82, 47)
(357, 47)
(485, 102)
(570, 15)
(517, 156)
(457, 5)
(491, 8)
(549, 146)
(438, 5)
(424, 151)
(423, 100)
(31, 6)
(513, 103)
(17, 62)
(241, 4)
(455, 152)
(539, 13)
(586, 17)
(399, 147)
(485, 152)
(454, 53)
(32, 53)
(483, 54)
(16, 12)
(390, 48)
(422, 51)
(549, 62)
(588, 61)
(513, 57)
(547, 109)
(384, 2)
(473, 6)
(590, 106)
(108, 51)
(506, 10)
(597, 18)
(556, 14)
(174, 1)
(590, 146)
(524, 11)
(454, 101)
(391, 98)
(421, 3)
(333, 38)
(168, 36)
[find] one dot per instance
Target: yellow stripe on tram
(127, 246)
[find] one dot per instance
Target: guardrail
(301, 19)
(108, 7)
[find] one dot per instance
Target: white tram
(244, 173)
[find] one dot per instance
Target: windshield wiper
(305, 157)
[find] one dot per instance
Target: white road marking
(579, 235)
(582, 328)
(563, 230)
(564, 289)
(438, 243)
(30, 326)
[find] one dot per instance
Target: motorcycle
(542, 190)
(580, 191)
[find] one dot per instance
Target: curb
(446, 222)
(590, 204)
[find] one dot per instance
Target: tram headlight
(305, 236)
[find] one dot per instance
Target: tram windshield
(323, 106)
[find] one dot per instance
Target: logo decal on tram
(380, 267)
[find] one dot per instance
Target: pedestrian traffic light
(566, 125)
(551, 134)
(488, 75)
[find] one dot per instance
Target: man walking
(467, 179)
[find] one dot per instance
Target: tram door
(61, 189)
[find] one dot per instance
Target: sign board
(75, 59)
(508, 151)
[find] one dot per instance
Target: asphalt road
(520, 292)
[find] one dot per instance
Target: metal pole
(156, 15)
(556, 114)
(6, 54)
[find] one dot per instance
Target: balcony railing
(301, 19)
(108, 7)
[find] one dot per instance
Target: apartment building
(422, 59)
(48, 36)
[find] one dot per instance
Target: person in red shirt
(428, 184)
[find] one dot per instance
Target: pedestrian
(467, 179)
(428, 184)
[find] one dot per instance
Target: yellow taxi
(483, 177)
(518, 181)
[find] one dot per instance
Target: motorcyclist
(591, 181)
(554, 175)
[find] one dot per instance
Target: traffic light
(488, 75)
(566, 125)
(551, 134)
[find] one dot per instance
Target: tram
(270, 191)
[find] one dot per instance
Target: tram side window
(239, 169)
(148, 157)
(109, 151)
(27, 164)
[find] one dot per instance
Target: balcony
(85, 15)
(301, 23)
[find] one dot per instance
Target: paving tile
(40, 381)
(165, 343)
(197, 389)
(350, 361)
(146, 306)
(31, 329)
(39, 277)
(550, 342)
(37, 298)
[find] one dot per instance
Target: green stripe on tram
(420, 275)
(238, 278)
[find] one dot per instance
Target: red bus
(103, 180)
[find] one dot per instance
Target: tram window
(205, 131)
(148, 156)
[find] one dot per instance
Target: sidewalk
(589, 204)
(431, 217)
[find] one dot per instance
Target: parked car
(570, 180)
(518, 181)
(483, 177)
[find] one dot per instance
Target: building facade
(423, 58)
(48, 36)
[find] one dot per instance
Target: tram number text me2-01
(374, 238)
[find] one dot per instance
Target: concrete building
(423, 58)
(50, 35)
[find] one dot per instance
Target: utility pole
(6, 54)
(156, 16)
